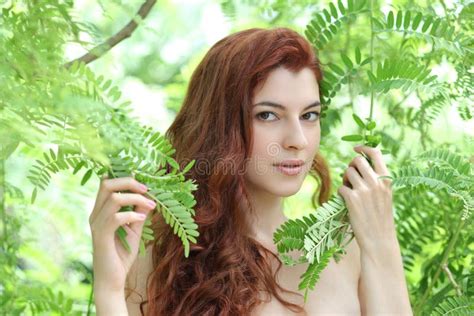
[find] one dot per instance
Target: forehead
(285, 86)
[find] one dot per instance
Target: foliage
(78, 121)
(445, 171)
(73, 120)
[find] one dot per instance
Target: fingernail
(142, 216)
(151, 203)
(143, 187)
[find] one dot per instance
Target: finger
(116, 201)
(376, 157)
(354, 178)
(122, 218)
(363, 167)
(346, 193)
(108, 186)
(137, 227)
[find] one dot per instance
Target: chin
(286, 190)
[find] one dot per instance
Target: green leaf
(189, 166)
(416, 21)
(390, 20)
(107, 85)
(399, 19)
(186, 248)
(350, 5)
(374, 139)
(333, 10)
(320, 20)
(371, 125)
(33, 195)
(327, 15)
(122, 236)
(435, 26)
(79, 166)
(173, 163)
(336, 69)
(427, 24)
(341, 7)
(366, 61)
(357, 55)
(358, 120)
(352, 138)
(347, 61)
(372, 77)
(86, 177)
(406, 22)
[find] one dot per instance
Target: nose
(295, 137)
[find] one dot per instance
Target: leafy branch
(324, 26)
(124, 33)
(436, 30)
(320, 235)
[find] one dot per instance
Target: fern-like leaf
(458, 164)
(311, 276)
(436, 30)
(336, 76)
(327, 227)
(455, 306)
(405, 75)
(325, 26)
(290, 236)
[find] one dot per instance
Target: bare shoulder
(135, 288)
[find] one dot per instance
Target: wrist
(115, 288)
(100, 291)
(110, 302)
(381, 251)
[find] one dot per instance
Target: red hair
(225, 271)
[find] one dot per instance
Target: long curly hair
(226, 270)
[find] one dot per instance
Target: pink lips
(290, 167)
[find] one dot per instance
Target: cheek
(265, 145)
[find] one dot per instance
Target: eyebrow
(276, 105)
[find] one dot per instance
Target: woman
(251, 119)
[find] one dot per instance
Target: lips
(290, 163)
(290, 167)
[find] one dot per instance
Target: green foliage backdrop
(397, 75)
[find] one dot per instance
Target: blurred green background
(152, 69)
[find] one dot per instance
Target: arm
(110, 303)
(382, 286)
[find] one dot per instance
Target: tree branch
(124, 33)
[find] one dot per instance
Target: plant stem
(451, 279)
(451, 244)
(372, 60)
(2, 193)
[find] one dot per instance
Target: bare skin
(336, 293)
(112, 262)
(288, 133)
(279, 134)
(291, 131)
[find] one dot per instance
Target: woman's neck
(267, 216)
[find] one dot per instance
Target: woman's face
(285, 120)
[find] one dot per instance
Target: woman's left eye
(316, 115)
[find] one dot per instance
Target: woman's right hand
(111, 261)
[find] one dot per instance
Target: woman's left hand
(369, 200)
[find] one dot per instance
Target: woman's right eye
(263, 116)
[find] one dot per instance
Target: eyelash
(258, 116)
